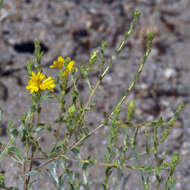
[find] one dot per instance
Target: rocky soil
(75, 28)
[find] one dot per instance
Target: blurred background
(75, 28)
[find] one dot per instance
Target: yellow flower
(59, 63)
(69, 68)
(36, 83)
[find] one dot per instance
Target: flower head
(69, 68)
(37, 83)
(59, 63)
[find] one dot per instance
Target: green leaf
(14, 150)
(164, 136)
(31, 183)
(2, 180)
(104, 45)
(39, 128)
(171, 121)
(71, 109)
(84, 74)
(29, 66)
(12, 130)
(93, 58)
(125, 180)
(137, 13)
(29, 173)
(131, 110)
(108, 172)
(38, 55)
(6, 148)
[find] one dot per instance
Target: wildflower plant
(70, 131)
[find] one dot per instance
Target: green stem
(118, 51)
(33, 149)
(122, 44)
(135, 154)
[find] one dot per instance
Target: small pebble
(170, 73)
(144, 86)
(177, 124)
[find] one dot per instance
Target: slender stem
(59, 125)
(148, 173)
(33, 150)
(27, 153)
(26, 156)
(45, 158)
(141, 168)
(101, 125)
(117, 52)
(47, 162)
(24, 170)
(85, 108)
(30, 169)
(135, 154)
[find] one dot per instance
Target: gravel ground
(77, 27)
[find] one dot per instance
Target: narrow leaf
(15, 151)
